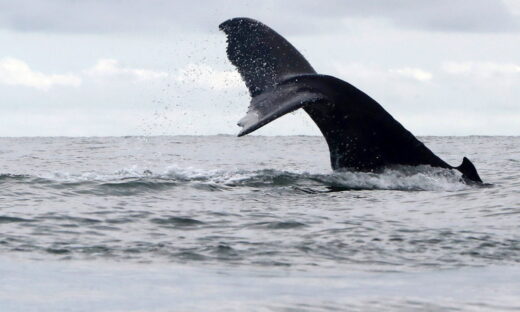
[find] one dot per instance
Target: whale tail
(359, 132)
(469, 171)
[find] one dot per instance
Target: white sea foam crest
(93, 176)
(399, 178)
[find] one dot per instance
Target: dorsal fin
(262, 56)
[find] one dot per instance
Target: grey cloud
(459, 15)
(89, 16)
(97, 16)
(439, 15)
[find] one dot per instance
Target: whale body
(360, 133)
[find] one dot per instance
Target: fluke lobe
(360, 133)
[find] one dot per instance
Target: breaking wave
(423, 178)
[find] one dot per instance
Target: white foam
(401, 178)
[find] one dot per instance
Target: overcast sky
(145, 67)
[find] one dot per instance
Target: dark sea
(220, 223)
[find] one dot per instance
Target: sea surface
(220, 223)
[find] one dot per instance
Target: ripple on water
(277, 225)
(7, 219)
(177, 221)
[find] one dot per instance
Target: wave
(421, 178)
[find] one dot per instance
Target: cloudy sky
(150, 67)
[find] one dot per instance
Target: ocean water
(219, 223)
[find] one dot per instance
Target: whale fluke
(360, 133)
(261, 55)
